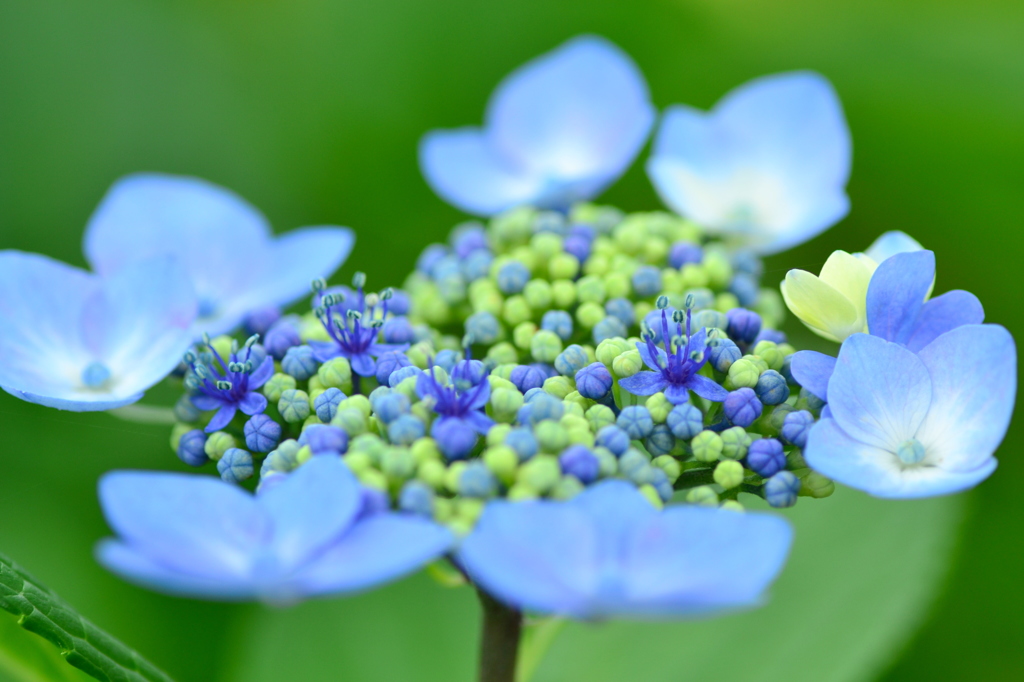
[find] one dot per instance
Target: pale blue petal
(581, 111)
(296, 259)
(891, 243)
(706, 388)
(677, 394)
(312, 507)
(692, 560)
(221, 240)
(378, 549)
(615, 507)
(466, 172)
(812, 370)
(831, 452)
(974, 378)
(880, 391)
(197, 525)
(644, 383)
(206, 582)
(896, 292)
(943, 313)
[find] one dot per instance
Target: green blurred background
(312, 109)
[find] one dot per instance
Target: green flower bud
(420, 354)
(589, 314)
(813, 484)
(649, 492)
(563, 292)
(719, 270)
(428, 304)
(496, 435)
(642, 308)
(707, 446)
(372, 478)
(356, 402)
(762, 366)
(315, 388)
(659, 407)
(728, 474)
(294, 405)
(432, 473)
(726, 301)
(574, 420)
(217, 443)
(770, 307)
(608, 350)
(444, 509)
(563, 266)
(627, 364)
(311, 419)
(630, 234)
(398, 464)
(407, 387)
(599, 416)
(351, 420)
(516, 310)
(590, 289)
(499, 378)
(545, 245)
(425, 450)
(451, 477)
(177, 432)
(597, 265)
(538, 294)
(357, 462)
(278, 384)
(469, 509)
(503, 353)
(521, 493)
(795, 460)
(576, 404)
(541, 473)
(423, 411)
(567, 488)
(670, 465)
(609, 462)
(671, 281)
(693, 275)
(742, 373)
(551, 436)
(732, 505)
(581, 436)
(303, 455)
(544, 345)
(336, 373)
(512, 227)
(505, 403)
(703, 495)
(735, 442)
(772, 421)
(617, 285)
(559, 386)
(770, 354)
(655, 250)
(503, 461)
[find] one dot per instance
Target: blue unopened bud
(683, 253)
(391, 406)
(796, 426)
(634, 465)
(571, 360)
(454, 439)
(477, 480)
(445, 359)
(299, 362)
(512, 277)
(772, 388)
(636, 421)
(722, 353)
(580, 462)
(483, 327)
(388, 363)
(468, 373)
(614, 439)
(405, 430)
(710, 319)
(261, 433)
(326, 404)
(646, 281)
(476, 265)
(398, 330)
(685, 421)
(294, 405)
(526, 377)
(559, 322)
(742, 407)
(745, 288)
(911, 452)
(541, 406)
(523, 442)
(403, 373)
(235, 466)
(744, 325)
(323, 439)
(594, 381)
(417, 497)
(782, 489)
(609, 328)
(765, 457)
(661, 441)
(191, 448)
(621, 308)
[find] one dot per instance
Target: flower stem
(499, 641)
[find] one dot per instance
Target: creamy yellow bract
(834, 303)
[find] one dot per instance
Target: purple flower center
(345, 324)
(228, 381)
(681, 363)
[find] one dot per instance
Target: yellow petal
(820, 306)
(849, 275)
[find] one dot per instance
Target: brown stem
(499, 642)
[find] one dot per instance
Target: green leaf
(82, 644)
(27, 658)
(862, 575)
(860, 579)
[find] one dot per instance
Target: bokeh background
(312, 109)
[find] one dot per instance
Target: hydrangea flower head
(308, 535)
(75, 341)
(916, 425)
(834, 303)
(768, 164)
(234, 262)
(558, 130)
(609, 553)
